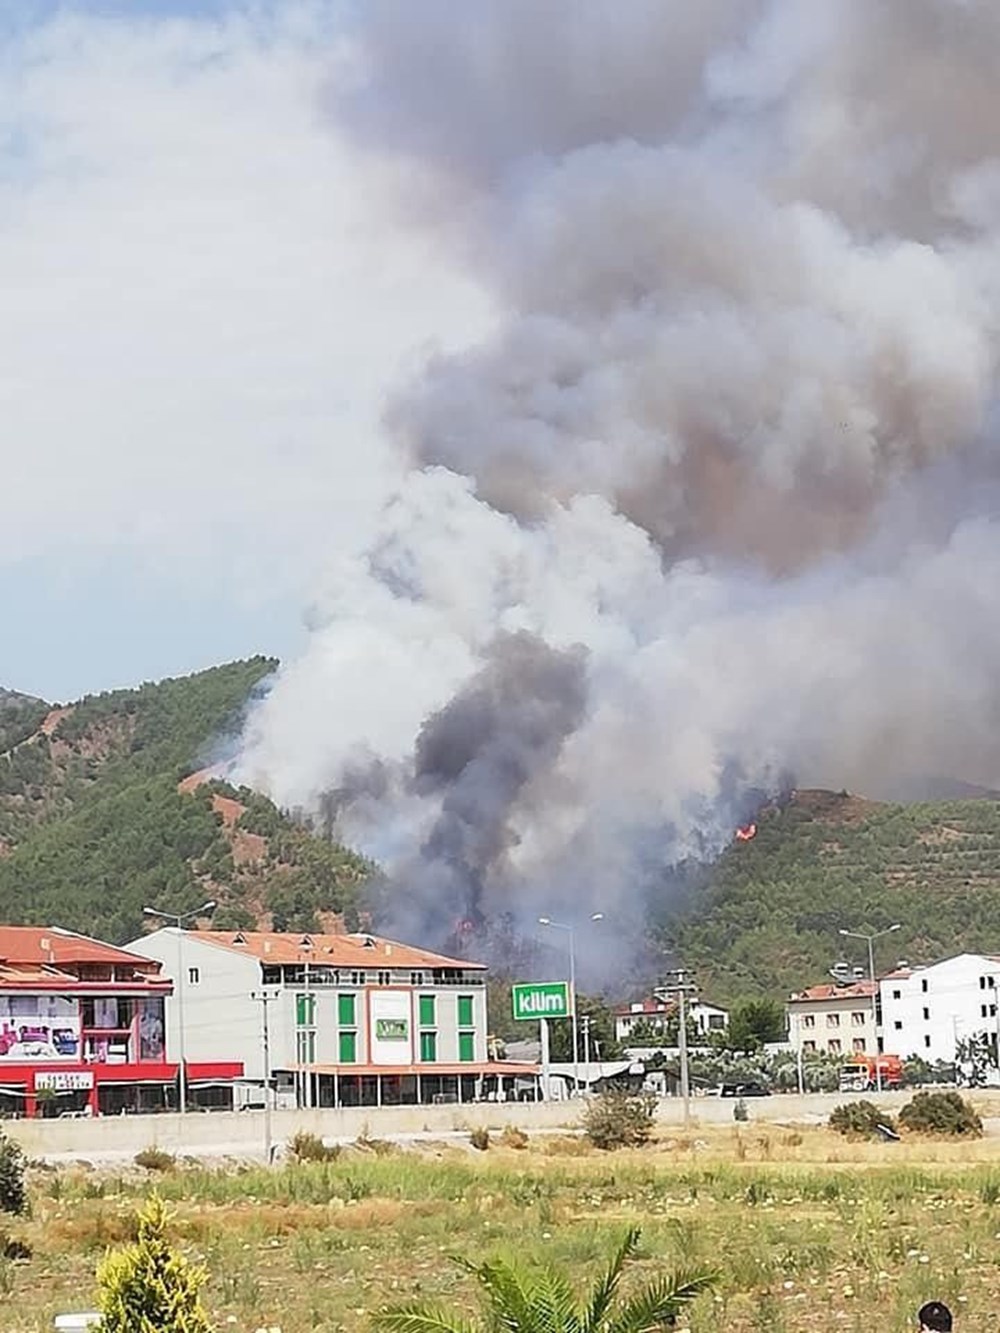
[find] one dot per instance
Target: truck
(861, 1073)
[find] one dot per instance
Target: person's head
(935, 1317)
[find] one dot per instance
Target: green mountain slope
(95, 823)
(768, 917)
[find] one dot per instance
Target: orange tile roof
(329, 950)
(829, 991)
(34, 946)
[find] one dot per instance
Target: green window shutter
(465, 1019)
(467, 1046)
(427, 1011)
(348, 1047)
(428, 1047)
(346, 1010)
(305, 1008)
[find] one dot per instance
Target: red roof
(357, 951)
(830, 991)
(33, 946)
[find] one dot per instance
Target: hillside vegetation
(768, 916)
(95, 822)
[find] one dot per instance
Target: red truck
(860, 1074)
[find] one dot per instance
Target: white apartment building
(351, 1019)
(833, 1019)
(706, 1018)
(926, 1011)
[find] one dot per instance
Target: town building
(349, 1019)
(927, 1011)
(81, 1026)
(655, 1015)
(835, 1018)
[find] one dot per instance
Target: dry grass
(811, 1232)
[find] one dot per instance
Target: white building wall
(928, 1012)
(839, 1025)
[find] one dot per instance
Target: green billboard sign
(391, 1029)
(542, 999)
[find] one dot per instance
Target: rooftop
(853, 990)
(52, 946)
(353, 951)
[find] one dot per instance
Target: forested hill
(96, 821)
(768, 916)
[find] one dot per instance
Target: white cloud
(201, 312)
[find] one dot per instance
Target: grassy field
(807, 1231)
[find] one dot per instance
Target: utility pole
(679, 985)
(585, 1019)
(178, 919)
(265, 998)
(870, 941)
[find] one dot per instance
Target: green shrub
(150, 1285)
(619, 1119)
(740, 1111)
(859, 1120)
(306, 1147)
(480, 1138)
(941, 1113)
(155, 1159)
(13, 1195)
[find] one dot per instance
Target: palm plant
(518, 1300)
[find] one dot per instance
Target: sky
(206, 304)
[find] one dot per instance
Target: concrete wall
(241, 1134)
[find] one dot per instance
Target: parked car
(744, 1090)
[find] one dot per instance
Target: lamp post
(870, 941)
(177, 919)
(571, 934)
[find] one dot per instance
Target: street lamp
(177, 919)
(571, 933)
(870, 941)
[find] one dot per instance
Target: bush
(941, 1113)
(619, 1119)
(740, 1111)
(306, 1147)
(150, 1285)
(512, 1137)
(859, 1120)
(155, 1159)
(480, 1138)
(13, 1195)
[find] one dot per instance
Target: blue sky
(206, 303)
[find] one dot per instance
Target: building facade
(82, 1026)
(927, 1011)
(833, 1019)
(350, 1019)
(656, 1014)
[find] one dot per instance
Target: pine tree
(149, 1287)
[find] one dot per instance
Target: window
(465, 1019)
(982, 1011)
(808, 1020)
(466, 1046)
(927, 1015)
(858, 1018)
(833, 1020)
(427, 1011)
(416, 978)
(348, 1047)
(809, 1046)
(384, 978)
(990, 982)
(716, 1021)
(834, 1045)
(346, 1011)
(305, 1048)
(194, 976)
(923, 985)
(305, 1010)
(927, 1041)
(858, 1044)
(428, 1047)
(359, 978)
(993, 1011)
(897, 995)
(898, 1025)
(982, 983)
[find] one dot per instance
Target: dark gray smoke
(733, 439)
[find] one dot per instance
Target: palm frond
(553, 1304)
(658, 1304)
(508, 1292)
(603, 1292)
(416, 1317)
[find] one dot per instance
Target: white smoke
(732, 438)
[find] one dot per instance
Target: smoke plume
(717, 499)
